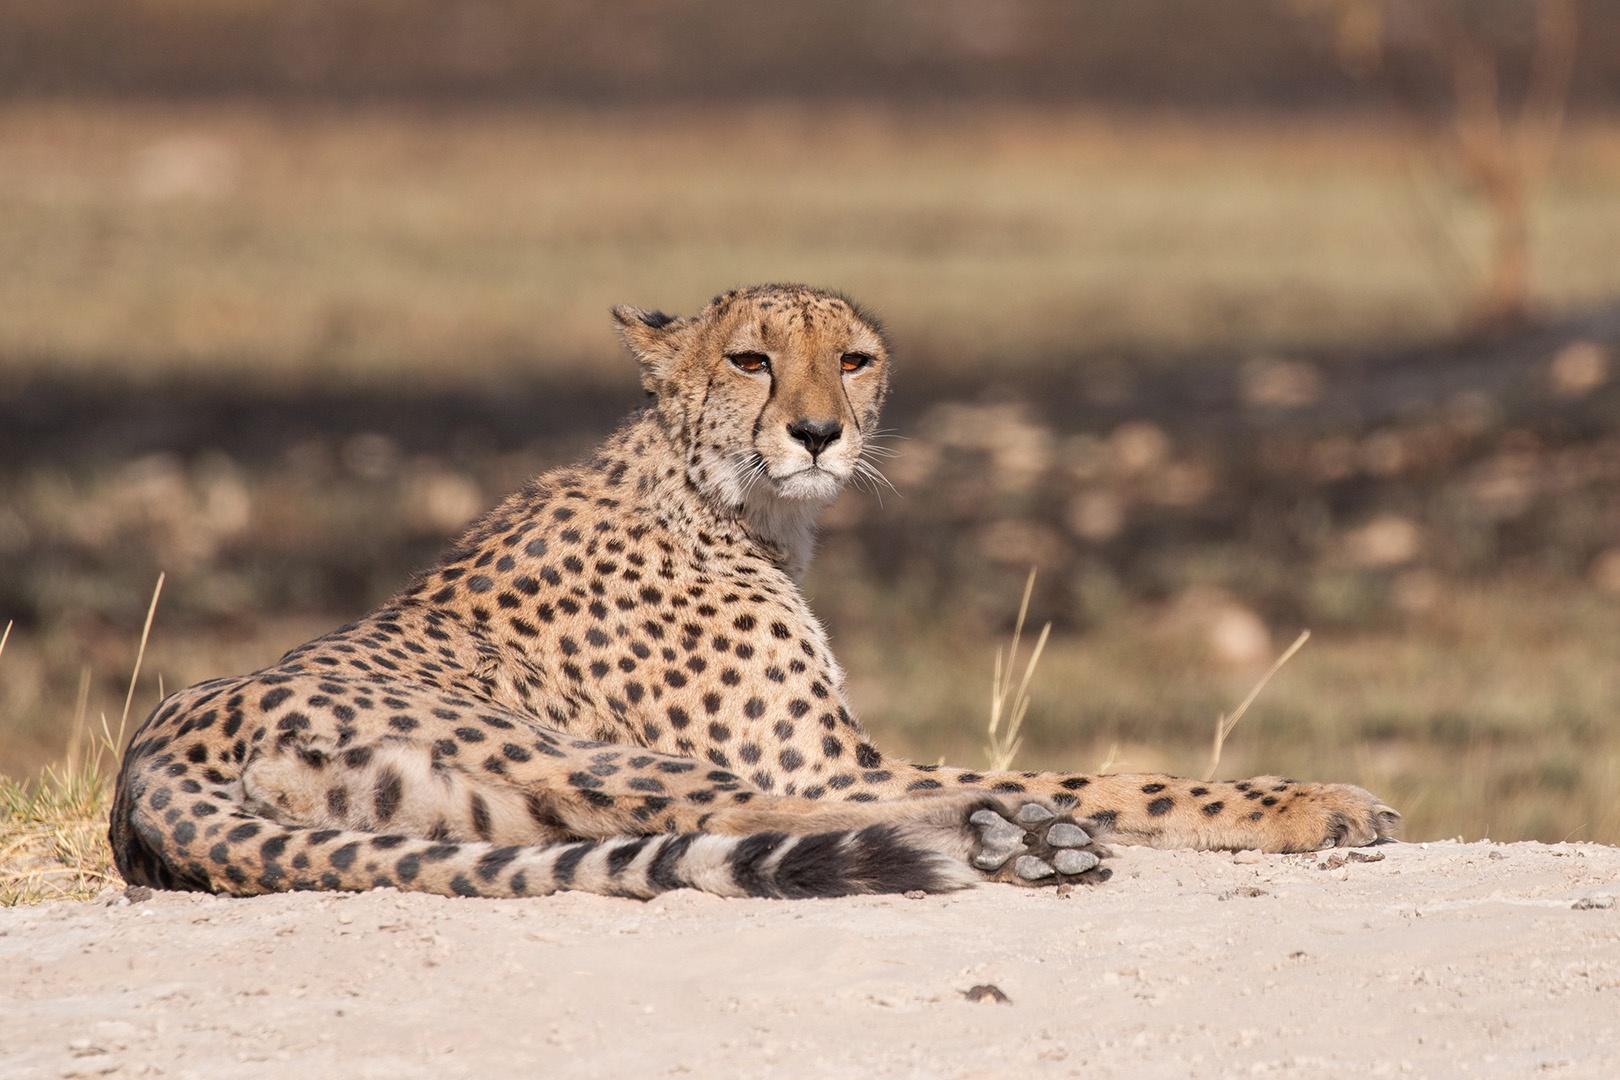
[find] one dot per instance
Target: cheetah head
(773, 392)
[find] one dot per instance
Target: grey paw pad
(996, 831)
(1066, 835)
(992, 859)
(1074, 862)
(1030, 868)
(1034, 814)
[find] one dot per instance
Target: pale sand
(1437, 960)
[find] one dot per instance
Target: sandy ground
(1432, 960)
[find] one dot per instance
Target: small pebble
(987, 992)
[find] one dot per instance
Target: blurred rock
(1138, 446)
(439, 501)
(1097, 516)
(1387, 540)
(1084, 457)
(1606, 571)
(1184, 484)
(1227, 628)
(370, 456)
(1383, 453)
(226, 501)
(1281, 384)
(1578, 369)
(1505, 486)
(1238, 636)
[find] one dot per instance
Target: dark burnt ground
(1477, 444)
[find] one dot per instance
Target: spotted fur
(613, 683)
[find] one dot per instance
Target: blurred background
(1230, 319)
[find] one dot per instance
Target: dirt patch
(1503, 958)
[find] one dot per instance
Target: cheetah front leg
(1266, 813)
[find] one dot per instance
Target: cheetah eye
(852, 362)
(751, 362)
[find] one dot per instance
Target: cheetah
(612, 683)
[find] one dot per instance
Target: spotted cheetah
(612, 683)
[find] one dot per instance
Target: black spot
(480, 816)
(1160, 807)
(389, 790)
(343, 857)
(494, 861)
(1211, 809)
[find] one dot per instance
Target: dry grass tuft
(1007, 703)
(53, 833)
(53, 830)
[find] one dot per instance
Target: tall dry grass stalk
(53, 830)
(1009, 704)
(1225, 725)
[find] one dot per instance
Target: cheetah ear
(655, 338)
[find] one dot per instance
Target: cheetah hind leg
(1031, 844)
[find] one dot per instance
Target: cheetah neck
(787, 527)
(783, 531)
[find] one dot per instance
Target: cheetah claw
(1035, 846)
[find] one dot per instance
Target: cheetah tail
(190, 844)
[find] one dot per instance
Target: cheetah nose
(816, 435)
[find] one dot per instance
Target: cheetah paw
(1033, 845)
